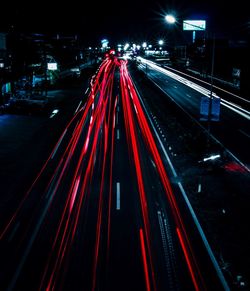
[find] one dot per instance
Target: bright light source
(144, 45)
(213, 157)
(104, 43)
(170, 18)
(126, 46)
(52, 66)
(54, 112)
(161, 42)
(194, 25)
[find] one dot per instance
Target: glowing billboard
(194, 24)
(52, 66)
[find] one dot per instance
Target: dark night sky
(121, 20)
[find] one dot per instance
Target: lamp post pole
(211, 94)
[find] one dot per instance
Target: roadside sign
(215, 110)
(52, 66)
(194, 25)
(204, 108)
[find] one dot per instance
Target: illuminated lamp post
(195, 25)
(170, 18)
(160, 42)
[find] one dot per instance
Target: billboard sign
(215, 110)
(194, 24)
(52, 66)
(205, 115)
(204, 108)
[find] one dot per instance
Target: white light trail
(232, 106)
(118, 196)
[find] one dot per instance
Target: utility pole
(45, 71)
(211, 94)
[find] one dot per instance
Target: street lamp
(170, 18)
(160, 42)
(213, 103)
(104, 43)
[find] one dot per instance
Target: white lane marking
(117, 118)
(135, 109)
(244, 133)
(199, 188)
(91, 119)
(58, 144)
(54, 112)
(118, 196)
(114, 121)
(86, 91)
(78, 106)
(153, 163)
(118, 134)
(189, 96)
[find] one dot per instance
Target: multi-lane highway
(232, 127)
(102, 213)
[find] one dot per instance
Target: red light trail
(83, 160)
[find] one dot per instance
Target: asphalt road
(218, 190)
(232, 129)
(103, 213)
